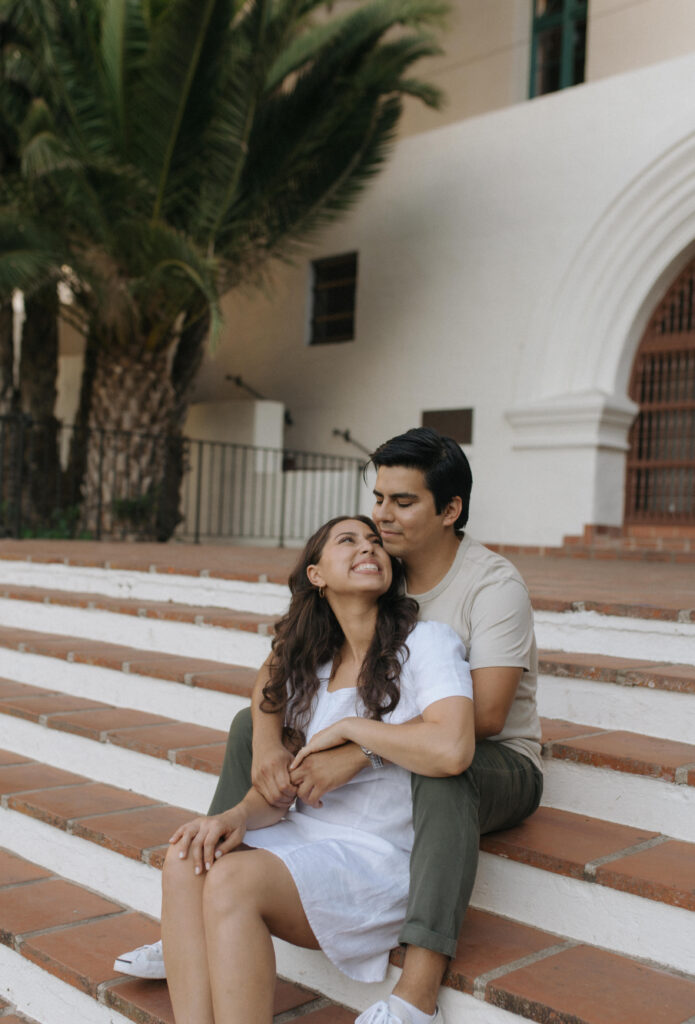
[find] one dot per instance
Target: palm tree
(173, 148)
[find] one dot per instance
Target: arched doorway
(660, 484)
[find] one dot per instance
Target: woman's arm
(208, 838)
(440, 743)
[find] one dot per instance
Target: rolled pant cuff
(414, 935)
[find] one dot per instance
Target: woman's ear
(314, 576)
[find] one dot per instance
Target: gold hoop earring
(321, 592)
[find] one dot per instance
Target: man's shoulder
(481, 566)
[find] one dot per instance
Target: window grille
(558, 45)
(660, 485)
(333, 299)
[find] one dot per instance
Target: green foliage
(168, 148)
(63, 524)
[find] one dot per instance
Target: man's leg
(499, 789)
(235, 777)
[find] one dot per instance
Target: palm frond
(123, 44)
(28, 259)
(173, 98)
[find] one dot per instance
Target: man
(422, 494)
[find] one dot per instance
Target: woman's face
(353, 561)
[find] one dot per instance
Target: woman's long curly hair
(309, 635)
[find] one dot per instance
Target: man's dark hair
(446, 469)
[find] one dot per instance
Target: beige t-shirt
(485, 600)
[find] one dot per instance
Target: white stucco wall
(507, 263)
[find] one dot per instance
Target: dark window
(456, 423)
(333, 307)
(558, 45)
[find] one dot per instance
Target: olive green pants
(498, 790)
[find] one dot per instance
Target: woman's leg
(183, 936)
(249, 895)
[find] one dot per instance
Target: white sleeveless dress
(350, 858)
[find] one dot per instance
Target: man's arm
(493, 694)
(501, 642)
(271, 759)
(317, 775)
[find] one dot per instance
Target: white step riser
(262, 598)
(587, 912)
(576, 631)
(583, 911)
(235, 647)
(46, 998)
(116, 766)
(621, 798)
(615, 796)
(123, 689)
(139, 886)
(617, 636)
(662, 713)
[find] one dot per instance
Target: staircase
(120, 669)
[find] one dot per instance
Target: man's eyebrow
(396, 495)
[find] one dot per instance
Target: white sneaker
(381, 1013)
(143, 962)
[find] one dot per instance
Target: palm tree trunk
(130, 418)
(38, 370)
(184, 369)
(7, 426)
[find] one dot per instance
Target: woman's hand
(208, 838)
(333, 736)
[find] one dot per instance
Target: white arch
(588, 336)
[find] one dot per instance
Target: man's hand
(208, 838)
(323, 772)
(270, 775)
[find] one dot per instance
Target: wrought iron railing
(59, 481)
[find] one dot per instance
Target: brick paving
(75, 935)
(560, 842)
(665, 588)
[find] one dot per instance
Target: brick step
(613, 868)
(244, 637)
(633, 672)
(615, 775)
(238, 679)
(599, 690)
(621, 671)
(227, 562)
(9, 1015)
(203, 748)
(74, 935)
(561, 583)
(202, 673)
(160, 610)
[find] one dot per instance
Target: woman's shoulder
(429, 635)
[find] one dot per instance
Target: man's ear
(314, 576)
(452, 511)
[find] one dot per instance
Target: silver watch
(374, 759)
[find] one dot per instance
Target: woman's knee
(234, 883)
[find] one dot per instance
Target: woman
(349, 663)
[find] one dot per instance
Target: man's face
(405, 512)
